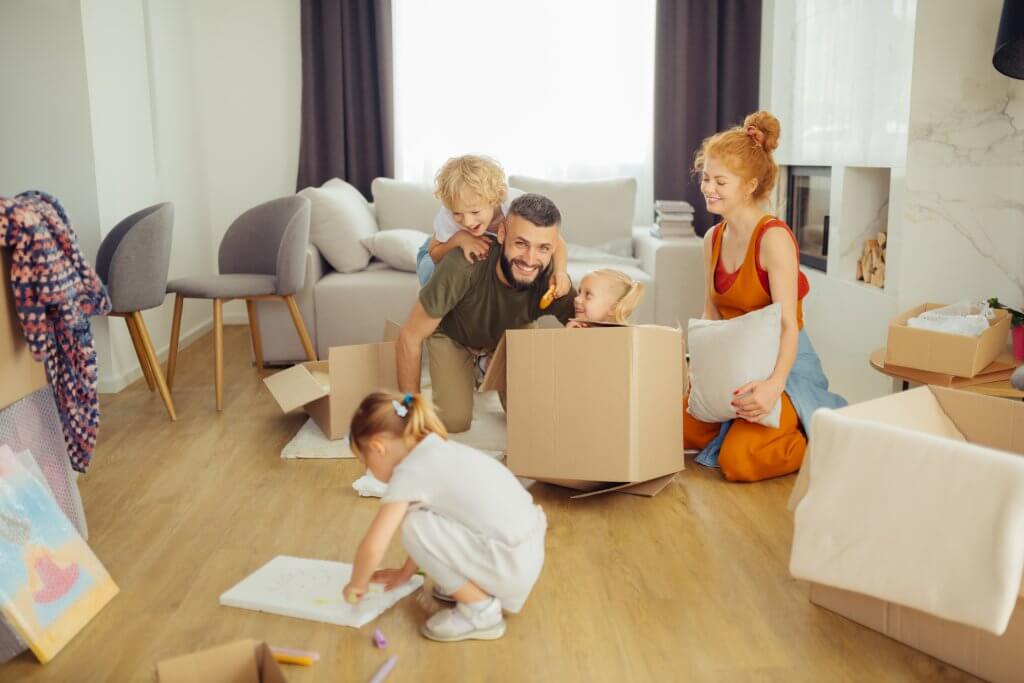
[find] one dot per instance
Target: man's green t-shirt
(474, 306)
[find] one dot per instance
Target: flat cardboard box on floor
(593, 409)
(951, 354)
(244, 661)
(330, 391)
(984, 420)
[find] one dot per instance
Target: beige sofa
(351, 307)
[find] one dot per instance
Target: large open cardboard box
(593, 409)
(964, 417)
(331, 390)
(951, 354)
(244, 661)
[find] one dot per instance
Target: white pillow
(593, 211)
(401, 204)
(725, 355)
(339, 218)
(397, 248)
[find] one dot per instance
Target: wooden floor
(690, 585)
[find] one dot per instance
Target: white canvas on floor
(311, 589)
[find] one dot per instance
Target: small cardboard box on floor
(593, 409)
(330, 391)
(962, 420)
(941, 352)
(244, 661)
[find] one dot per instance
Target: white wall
(838, 75)
(964, 216)
(45, 128)
(133, 102)
(842, 77)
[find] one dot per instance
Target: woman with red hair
(751, 260)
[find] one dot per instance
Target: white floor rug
(311, 442)
(487, 433)
(311, 589)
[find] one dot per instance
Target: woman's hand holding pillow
(756, 399)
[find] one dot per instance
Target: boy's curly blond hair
(480, 175)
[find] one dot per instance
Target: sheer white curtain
(559, 90)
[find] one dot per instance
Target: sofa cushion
(339, 218)
(593, 212)
(402, 204)
(396, 248)
(725, 355)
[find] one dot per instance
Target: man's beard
(516, 283)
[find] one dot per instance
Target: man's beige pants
(453, 379)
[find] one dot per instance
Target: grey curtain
(346, 92)
(707, 59)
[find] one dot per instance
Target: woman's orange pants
(751, 452)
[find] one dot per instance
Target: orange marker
(548, 298)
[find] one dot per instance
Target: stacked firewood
(871, 265)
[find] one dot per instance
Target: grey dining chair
(132, 262)
(262, 257)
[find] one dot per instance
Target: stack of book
(674, 219)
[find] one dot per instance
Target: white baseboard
(113, 385)
(236, 318)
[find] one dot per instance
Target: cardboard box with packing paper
(593, 409)
(331, 390)
(951, 354)
(932, 508)
(244, 661)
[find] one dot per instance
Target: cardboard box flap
(238, 662)
(494, 378)
(355, 372)
(647, 489)
(917, 409)
(296, 386)
(985, 420)
(391, 330)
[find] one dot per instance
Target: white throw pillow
(401, 204)
(397, 248)
(725, 355)
(593, 211)
(339, 218)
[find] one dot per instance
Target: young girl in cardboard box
(606, 296)
(751, 260)
(479, 536)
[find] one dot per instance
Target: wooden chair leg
(218, 351)
(172, 351)
(254, 333)
(140, 351)
(300, 327)
(147, 345)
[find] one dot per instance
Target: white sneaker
(441, 595)
(462, 623)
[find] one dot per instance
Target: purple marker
(378, 639)
(384, 670)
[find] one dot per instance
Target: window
(558, 90)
